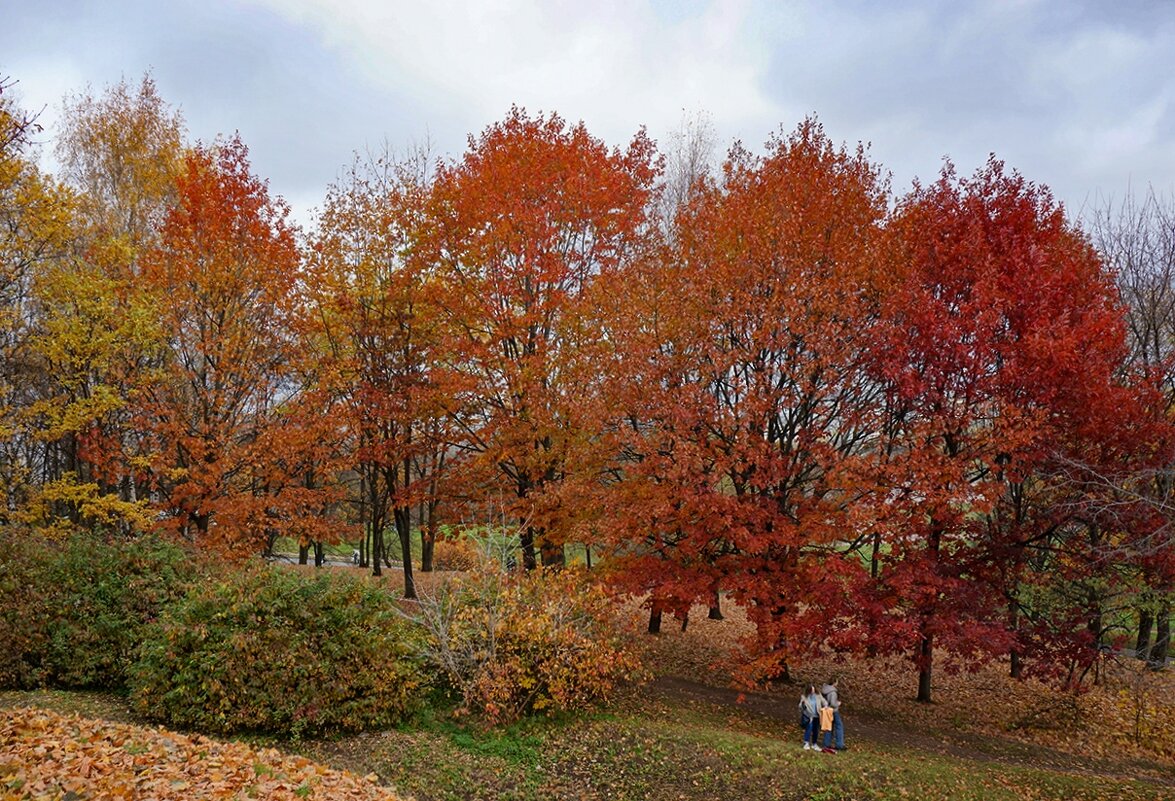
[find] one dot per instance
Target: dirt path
(963, 745)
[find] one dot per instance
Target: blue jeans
(838, 732)
(812, 731)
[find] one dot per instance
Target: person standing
(810, 705)
(832, 697)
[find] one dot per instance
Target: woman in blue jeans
(810, 705)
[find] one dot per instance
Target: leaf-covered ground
(1128, 716)
(44, 754)
(686, 736)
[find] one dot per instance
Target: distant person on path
(838, 727)
(810, 705)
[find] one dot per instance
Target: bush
(456, 554)
(272, 649)
(511, 645)
(74, 610)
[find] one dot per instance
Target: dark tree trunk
(403, 517)
(377, 549)
(587, 550)
(363, 516)
(655, 618)
(529, 559)
(1146, 622)
(715, 605)
(377, 524)
(1017, 668)
(875, 558)
(926, 647)
(926, 666)
(1162, 644)
(319, 554)
(304, 553)
(428, 535)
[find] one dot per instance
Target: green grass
(680, 751)
(645, 748)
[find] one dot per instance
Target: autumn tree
(750, 406)
(381, 331)
(226, 440)
(35, 231)
(1000, 341)
(521, 229)
(120, 153)
(1137, 238)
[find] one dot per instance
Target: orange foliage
(231, 450)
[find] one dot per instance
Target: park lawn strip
(655, 748)
(674, 751)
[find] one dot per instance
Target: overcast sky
(1076, 95)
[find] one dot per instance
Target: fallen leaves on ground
(47, 755)
(1129, 714)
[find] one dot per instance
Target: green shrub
(514, 644)
(74, 609)
(268, 649)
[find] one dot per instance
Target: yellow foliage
(91, 505)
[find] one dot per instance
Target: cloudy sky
(1076, 95)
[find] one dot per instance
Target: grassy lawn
(666, 748)
(651, 745)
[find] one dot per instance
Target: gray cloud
(1075, 95)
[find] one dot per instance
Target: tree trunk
(715, 605)
(377, 525)
(403, 517)
(587, 550)
(655, 618)
(529, 560)
(319, 554)
(926, 647)
(1142, 645)
(1162, 644)
(377, 549)
(1017, 669)
(926, 663)
(362, 520)
(428, 535)
(875, 558)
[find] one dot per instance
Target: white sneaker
(806, 746)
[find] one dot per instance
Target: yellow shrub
(513, 644)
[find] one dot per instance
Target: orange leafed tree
(230, 445)
(750, 409)
(522, 229)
